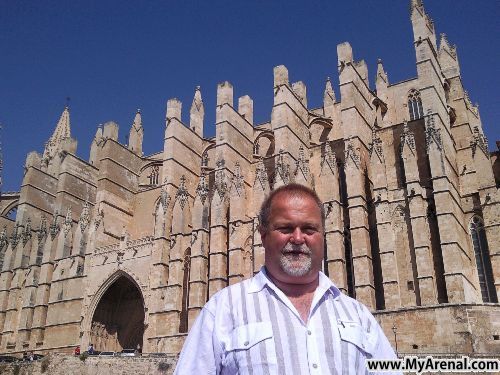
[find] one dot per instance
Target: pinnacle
(444, 41)
(63, 128)
(137, 120)
(329, 94)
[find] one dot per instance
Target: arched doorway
(118, 321)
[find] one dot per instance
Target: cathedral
(124, 249)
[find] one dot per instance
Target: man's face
(294, 239)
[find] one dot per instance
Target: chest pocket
(354, 333)
(246, 336)
(251, 349)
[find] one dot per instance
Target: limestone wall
(444, 329)
(60, 364)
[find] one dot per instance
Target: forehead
(285, 204)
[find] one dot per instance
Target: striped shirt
(252, 328)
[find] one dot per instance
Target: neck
(295, 289)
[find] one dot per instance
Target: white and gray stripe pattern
(254, 329)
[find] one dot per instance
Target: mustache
(291, 248)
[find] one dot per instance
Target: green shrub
(163, 366)
(83, 356)
(44, 365)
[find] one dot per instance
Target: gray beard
(296, 265)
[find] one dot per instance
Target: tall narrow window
(415, 105)
(153, 177)
(183, 324)
(483, 262)
(349, 265)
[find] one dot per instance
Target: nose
(297, 236)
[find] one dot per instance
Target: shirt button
(245, 343)
(309, 333)
(315, 365)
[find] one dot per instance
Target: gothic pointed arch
(117, 314)
(208, 157)
(150, 174)
(415, 108)
(264, 144)
(320, 128)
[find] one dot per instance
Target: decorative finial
(68, 99)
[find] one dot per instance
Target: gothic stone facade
(125, 249)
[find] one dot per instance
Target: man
(289, 318)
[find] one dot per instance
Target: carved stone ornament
(399, 214)
(194, 237)
(432, 135)
(98, 219)
(261, 179)
(302, 164)
(376, 146)
(4, 240)
(328, 206)
(329, 159)
(202, 189)
(42, 232)
(237, 181)
(182, 194)
(26, 235)
(479, 140)
(467, 99)
(282, 169)
(173, 241)
(204, 159)
(54, 226)
(164, 198)
(351, 156)
(407, 138)
(67, 222)
(84, 219)
(14, 238)
(220, 179)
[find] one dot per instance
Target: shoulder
(228, 297)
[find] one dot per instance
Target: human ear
(263, 232)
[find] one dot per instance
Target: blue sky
(112, 57)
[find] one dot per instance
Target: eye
(310, 230)
(284, 229)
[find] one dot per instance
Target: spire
(444, 45)
(136, 134)
(197, 113)
(61, 133)
(423, 26)
(94, 148)
(63, 129)
(381, 73)
(381, 81)
(416, 4)
(329, 94)
(137, 120)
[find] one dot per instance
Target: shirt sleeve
(201, 353)
(382, 348)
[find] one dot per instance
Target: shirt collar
(261, 279)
